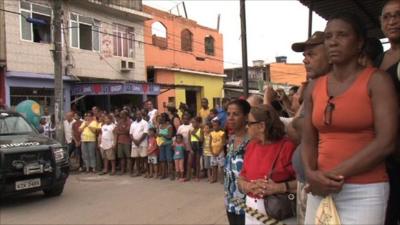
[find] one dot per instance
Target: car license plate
(26, 184)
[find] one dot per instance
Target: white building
(103, 52)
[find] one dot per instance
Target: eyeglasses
(249, 123)
(330, 106)
(387, 16)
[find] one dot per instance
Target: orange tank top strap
(321, 83)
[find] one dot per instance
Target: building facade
(103, 52)
(279, 75)
(185, 58)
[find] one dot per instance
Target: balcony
(129, 9)
(129, 4)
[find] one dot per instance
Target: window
(84, 33)
(35, 22)
(151, 75)
(14, 125)
(209, 45)
(159, 35)
(124, 41)
(186, 40)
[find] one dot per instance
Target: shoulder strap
(366, 74)
(271, 171)
(398, 71)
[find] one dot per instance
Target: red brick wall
(173, 56)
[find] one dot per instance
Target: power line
(200, 42)
(142, 42)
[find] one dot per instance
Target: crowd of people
(145, 142)
(336, 135)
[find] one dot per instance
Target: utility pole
(58, 71)
(310, 18)
(245, 71)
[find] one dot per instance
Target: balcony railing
(130, 4)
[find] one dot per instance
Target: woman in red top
(350, 126)
(268, 143)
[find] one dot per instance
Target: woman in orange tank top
(350, 127)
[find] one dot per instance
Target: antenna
(184, 9)
(218, 21)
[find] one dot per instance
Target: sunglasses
(330, 106)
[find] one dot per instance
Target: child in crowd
(179, 156)
(217, 150)
(207, 150)
(107, 144)
(43, 127)
(212, 115)
(196, 139)
(184, 130)
(152, 152)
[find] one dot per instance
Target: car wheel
(54, 191)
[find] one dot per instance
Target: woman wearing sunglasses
(267, 166)
(351, 118)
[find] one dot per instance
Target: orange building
(287, 74)
(184, 56)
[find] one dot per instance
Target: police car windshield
(13, 124)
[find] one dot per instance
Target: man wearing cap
(315, 56)
(317, 64)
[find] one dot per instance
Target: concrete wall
(102, 65)
(2, 34)
(26, 56)
(173, 56)
(164, 77)
(211, 87)
(2, 86)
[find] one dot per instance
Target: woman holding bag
(350, 126)
(267, 168)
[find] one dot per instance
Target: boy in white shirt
(107, 144)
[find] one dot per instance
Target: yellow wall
(210, 87)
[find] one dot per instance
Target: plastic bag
(327, 213)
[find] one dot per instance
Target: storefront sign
(115, 89)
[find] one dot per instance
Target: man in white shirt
(69, 120)
(138, 132)
(152, 112)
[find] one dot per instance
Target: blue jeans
(166, 153)
(363, 204)
(89, 154)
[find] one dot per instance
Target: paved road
(92, 199)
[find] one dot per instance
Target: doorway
(191, 101)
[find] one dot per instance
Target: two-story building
(103, 52)
(185, 58)
(279, 74)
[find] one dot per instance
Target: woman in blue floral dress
(238, 111)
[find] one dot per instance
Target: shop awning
(368, 10)
(115, 89)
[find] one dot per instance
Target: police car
(29, 161)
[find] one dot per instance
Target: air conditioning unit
(127, 65)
